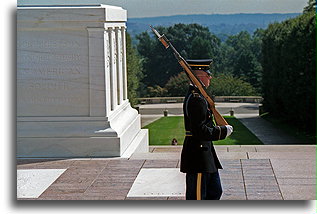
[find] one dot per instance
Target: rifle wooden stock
(220, 121)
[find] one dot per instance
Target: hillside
(220, 24)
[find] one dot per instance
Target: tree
(177, 85)
(134, 71)
(311, 6)
(228, 85)
(241, 55)
(220, 85)
(200, 49)
(156, 91)
(289, 71)
(192, 41)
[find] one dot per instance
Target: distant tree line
(153, 71)
(238, 58)
(289, 69)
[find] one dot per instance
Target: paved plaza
(282, 169)
(261, 172)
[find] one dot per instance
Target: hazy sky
(148, 8)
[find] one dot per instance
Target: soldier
(199, 159)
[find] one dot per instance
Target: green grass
(163, 130)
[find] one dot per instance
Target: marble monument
(72, 84)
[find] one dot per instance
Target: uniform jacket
(198, 153)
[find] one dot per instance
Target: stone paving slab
(158, 182)
(176, 198)
(160, 164)
(307, 174)
(244, 148)
(147, 198)
(296, 181)
(44, 163)
(231, 175)
(230, 187)
(291, 164)
(264, 196)
(31, 183)
(176, 155)
(125, 164)
(231, 163)
(298, 192)
(233, 196)
(168, 149)
(241, 149)
(232, 155)
(156, 156)
(277, 175)
(283, 148)
(283, 155)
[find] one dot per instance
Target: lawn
(163, 130)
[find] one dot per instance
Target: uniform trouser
(203, 186)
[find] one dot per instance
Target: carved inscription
(43, 58)
(48, 44)
(52, 72)
(49, 71)
(54, 100)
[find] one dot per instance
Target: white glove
(229, 130)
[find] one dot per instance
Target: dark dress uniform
(199, 159)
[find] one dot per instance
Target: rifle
(220, 121)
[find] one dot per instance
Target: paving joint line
(279, 189)
(135, 178)
(96, 177)
(244, 185)
(72, 163)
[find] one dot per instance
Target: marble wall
(72, 83)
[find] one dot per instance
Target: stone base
(80, 147)
(69, 137)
